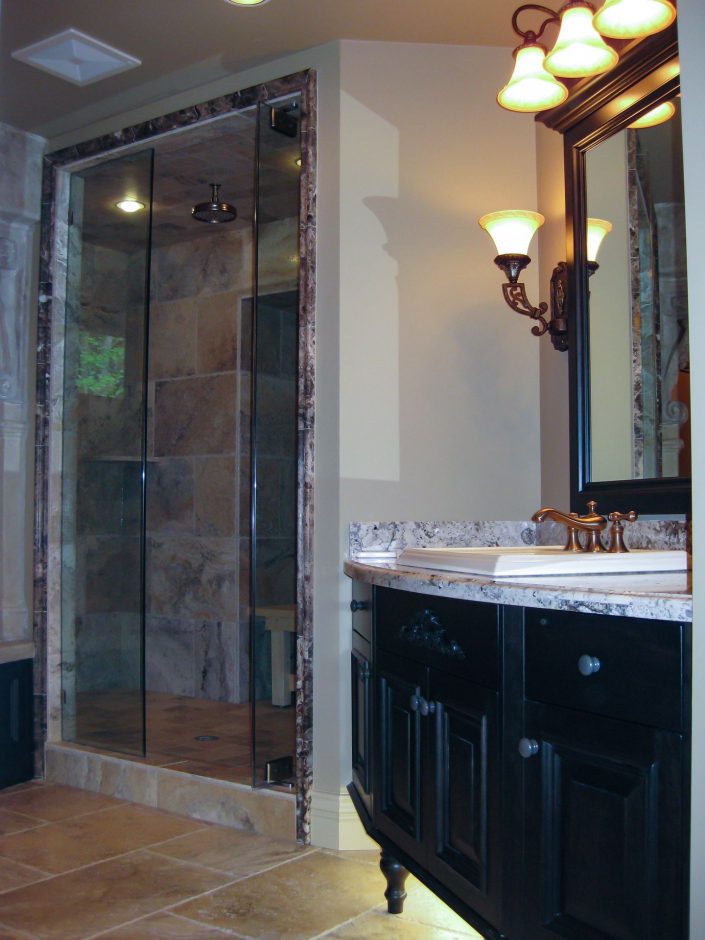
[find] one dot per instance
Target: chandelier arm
(515, 296)
(532, 35)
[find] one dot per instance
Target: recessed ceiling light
(76, 57)
(247, 3)
(130, 205)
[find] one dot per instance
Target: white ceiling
(184, 43)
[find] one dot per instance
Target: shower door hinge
(279, 771)
(283, 121)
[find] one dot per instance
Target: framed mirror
(629, 359)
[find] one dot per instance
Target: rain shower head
(214, 211)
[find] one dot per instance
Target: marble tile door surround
(58, 167)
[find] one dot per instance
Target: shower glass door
(275, 443)
(104, 448)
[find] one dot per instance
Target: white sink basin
(522, 561)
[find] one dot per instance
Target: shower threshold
(190, 735)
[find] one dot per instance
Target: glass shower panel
(102, 552)
(274, 463)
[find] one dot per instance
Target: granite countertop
(665, 596)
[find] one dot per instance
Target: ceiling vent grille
(76, 57)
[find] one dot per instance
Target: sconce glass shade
(531, 87)
(596, 231)
(511, 229)
(632, 19)
(659, 115)
(579, 50)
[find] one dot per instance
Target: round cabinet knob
(588, 665)
(414, 702)
(427, 708)
(359, 605)
(528, 747)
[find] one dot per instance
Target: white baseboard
(335, 823)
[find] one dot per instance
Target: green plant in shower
(101, 365)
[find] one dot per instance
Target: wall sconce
(579, 50)
(596, 231)
(512, 231)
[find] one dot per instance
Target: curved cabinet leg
(396, 876)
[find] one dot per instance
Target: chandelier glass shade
(531, 87)
(579, 50)
(633, 19)
(659, 115)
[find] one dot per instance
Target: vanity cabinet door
(463, 817)
(604, 828)
(398, 760)
(362, 719)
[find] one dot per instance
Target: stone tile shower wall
(196, 644)
(101, 476)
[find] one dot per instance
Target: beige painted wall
(611, 408)
(692, 42)
(439, 379)
(554, 411)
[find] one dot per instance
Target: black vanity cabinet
(529, 766)
(603, 778)
(361, 688)
(436, 739)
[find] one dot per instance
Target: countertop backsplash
(392, 537)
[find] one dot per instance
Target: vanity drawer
(460, 637)
(620, 667)
(361, 608)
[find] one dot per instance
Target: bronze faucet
(592, 523)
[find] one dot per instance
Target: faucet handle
(617, 545)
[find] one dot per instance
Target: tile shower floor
(191, 735)
(75, 865)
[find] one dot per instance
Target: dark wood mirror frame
(596, 109)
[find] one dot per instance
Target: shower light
(247, 3)
(512, 231)
(579, 50)
(130, 205)
(660, 114)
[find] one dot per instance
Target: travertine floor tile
(16, 822)
(383, 926)
(52, 803)
(295, 901)
(62, 846)
(165, 927)
(423, 907)
(82, 903)
(14, 875)
(231, 850)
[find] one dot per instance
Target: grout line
(42, 875)
(20, 932)
(226, 931)
(344, 923)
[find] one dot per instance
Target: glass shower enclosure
(118, 307)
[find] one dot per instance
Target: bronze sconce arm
(515, 296)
